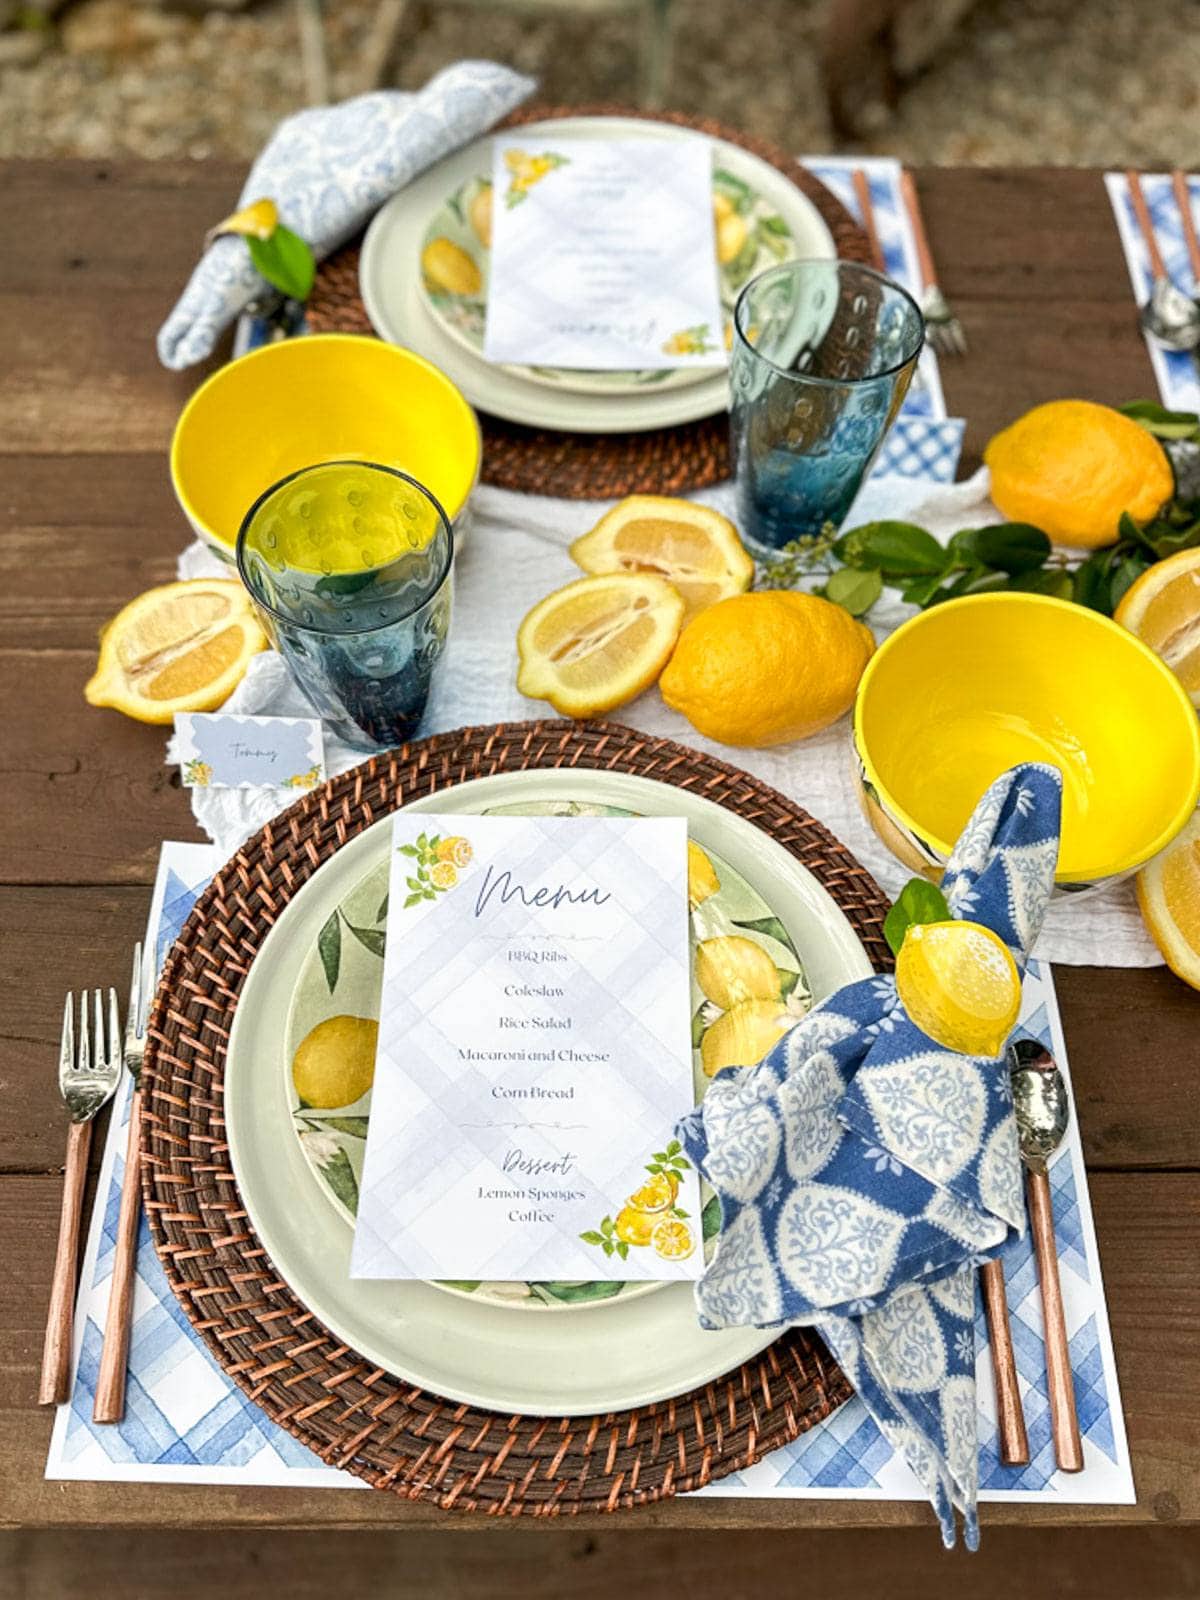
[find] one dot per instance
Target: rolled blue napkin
(328, 171)
(865, 1172)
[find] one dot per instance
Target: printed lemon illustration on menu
(534, 1041)
(650, 1215)
(437, 863)
(526, 170)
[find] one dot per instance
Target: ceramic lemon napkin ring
(864, 1170)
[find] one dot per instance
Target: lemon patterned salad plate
(748, 986)
(456, 256)
(398, 304)
(630, 1349)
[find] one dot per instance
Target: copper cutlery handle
(1060, 1384)
(1142, 212)
(1183, 199)
(1010, 1415)
(908, 193)
(866, 212)
(109, 1404)
(56, 1352)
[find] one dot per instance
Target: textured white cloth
(517, 553)
(328, 171)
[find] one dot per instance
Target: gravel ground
(1072, 81)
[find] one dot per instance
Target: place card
(534, 1054)
(222, 750)
(603, 254)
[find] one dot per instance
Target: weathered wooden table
(90, 259)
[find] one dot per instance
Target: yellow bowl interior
(321, 398)
(965, 690)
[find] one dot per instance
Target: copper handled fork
(109, 1405)
(87, 1077)
(945, 331)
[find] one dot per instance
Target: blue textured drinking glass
(349, 565)
(823, 354)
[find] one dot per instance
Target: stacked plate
(424, 280)
(556, 1350)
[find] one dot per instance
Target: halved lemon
(599, 642)
(694, 548)
(672, 1240)
(959, 984)
(182, 647)
(1163, 609)
(1168, 892)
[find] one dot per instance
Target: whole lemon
(766, 668)
(334, 1063)
(1071, 467)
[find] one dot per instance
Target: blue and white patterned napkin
(328, 170)
(864, 1171)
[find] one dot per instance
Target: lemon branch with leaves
(1016, 556)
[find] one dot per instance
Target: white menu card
(603, 254)
(534, 1054)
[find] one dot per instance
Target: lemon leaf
(285, 261)
(855, 589)
(329, 948)
(897, 549)
(710, 1218)
(918, 901)
(1163, 424)
(372, 939)
(339, 1175)
(1011, 546)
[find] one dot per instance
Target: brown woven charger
(347, 1410)
(598, 466)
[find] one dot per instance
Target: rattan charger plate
(349, 1412)
(577, 466)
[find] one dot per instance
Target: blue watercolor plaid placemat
(899, 247)
(1176, 371)
(187, 1422)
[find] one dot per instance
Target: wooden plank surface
(548, 1563)
(90, 259)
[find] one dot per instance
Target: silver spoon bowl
(1042, 1109)
(1039, 1101)
(1170, 317)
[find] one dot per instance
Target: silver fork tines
(135, 1017)
(943, 327)
(88, 1073)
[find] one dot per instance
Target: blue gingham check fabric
(864, 1171)
(328, 170)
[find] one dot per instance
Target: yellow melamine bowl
(323, 397)
(963, 691)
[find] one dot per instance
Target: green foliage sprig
(859, 564)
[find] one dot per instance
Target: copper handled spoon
(1043, 1110)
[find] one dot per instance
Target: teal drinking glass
(349, 565)
(823, 354)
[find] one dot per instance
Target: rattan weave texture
(348, 1411)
